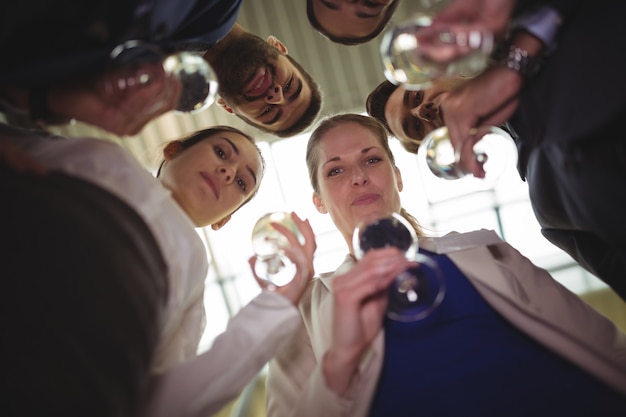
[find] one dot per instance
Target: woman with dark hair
(203, 179)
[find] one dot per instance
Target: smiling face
(356, 177)
(411, 115)
(351, 20)
(213, 177)
(266, 89)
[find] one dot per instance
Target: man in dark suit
(561, 85)
(57, 52)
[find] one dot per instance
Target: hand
(300, 254)
(489, 15)
(121, 113)
(489, 99)
(360, 297)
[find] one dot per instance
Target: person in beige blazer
(335, 363)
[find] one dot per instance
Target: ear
(398, 178)
(171, 150)
(319, 204)
(225, 106)
(221, 223)
(273, 40)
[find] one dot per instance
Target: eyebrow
(290, 99)
(364, 15)
(360, 14)
(236, 150)
(363, 152)
(274, 119)
(405, 98)
(329, 5)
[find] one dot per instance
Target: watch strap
(519, 60)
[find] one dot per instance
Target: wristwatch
(518, 60)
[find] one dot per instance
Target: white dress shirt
(186, 384)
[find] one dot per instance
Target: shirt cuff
(543, 22)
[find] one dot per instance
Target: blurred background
(346, 75)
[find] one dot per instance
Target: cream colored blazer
(521, 292)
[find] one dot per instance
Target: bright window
(440, 206)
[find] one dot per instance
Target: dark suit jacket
(46, 41)
(572, 151)
(84, 287)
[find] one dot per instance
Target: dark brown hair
(198, 136)
(375, 106)
(377, 100)
(347, 40)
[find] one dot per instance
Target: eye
(419, 128)
(242, 184)
(219, 152)
(372, 160)
(334, 171)
(267, 110)
(418, 97)
(287, 86)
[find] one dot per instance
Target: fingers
(263, 283)
(301, 253)
(307, 231)
(371, 276)
(304, 268)
(468, 161)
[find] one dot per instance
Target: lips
(211, 183)
(260, 83)
(365, 199)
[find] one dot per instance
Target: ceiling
(345, 74)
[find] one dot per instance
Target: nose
(359, 177)
(427, 111)
(227, 173)
(275, 95)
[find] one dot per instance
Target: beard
(237, 65)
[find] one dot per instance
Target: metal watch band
(518, 60)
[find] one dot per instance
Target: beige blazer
(523, 293)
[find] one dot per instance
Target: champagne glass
(415, 51)
(268, 243)
(494, 152)
(416, 292)
(187, 78)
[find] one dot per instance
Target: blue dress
(466, 360)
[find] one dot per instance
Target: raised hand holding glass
(416, 51)
(268, 243)
(416, 292)
(493, 149)
(187, 78)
